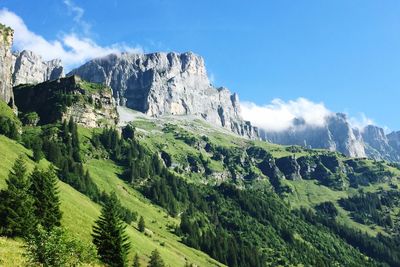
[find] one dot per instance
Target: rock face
(377, 144)
(91, 105)
(167, 84)
(394, 140)
(6, 64)
(336, 135)
(29, 68)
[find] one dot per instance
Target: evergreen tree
(136, 262)
(16, 203)
(46, 200)
(141, 224)
(109, 234)
(156, 260)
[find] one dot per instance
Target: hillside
(206, 193)
(79, 214)
(189, 143)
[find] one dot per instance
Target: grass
(93, 87)
(11, 252)
(79, 214)
(308, 193)
(105, 174)
(6, 111)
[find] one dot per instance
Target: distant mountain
(167, 84)
(338, 135)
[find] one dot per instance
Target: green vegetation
(46, 205)
(156, 260)
(188, 193)
(17, 204)
(5, 31)
(141, 224)
(93, 87)
(55, 248)
(109, 234)
(9, 123)
(80, 213)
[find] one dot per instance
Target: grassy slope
(306, 193)
(79, 214)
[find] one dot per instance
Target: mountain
(378, 144)
(335, 135)
(201, 188)
(167, 84)
(30, 68)
(88, 104)
(177, 152)
(6, 64)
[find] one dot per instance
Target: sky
(284, 58)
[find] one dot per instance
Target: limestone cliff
(6, 38)
(31, 68)
(167, 84)
(336, 135)
(91, 105)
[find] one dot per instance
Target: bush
(56, 248)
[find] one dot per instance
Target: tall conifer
(16, 203)
(109, 234)
(46, 200)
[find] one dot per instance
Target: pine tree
(46, 200)
(156, 260)
(109, 234)
(16, 203)
(136, 262)
(141, 224)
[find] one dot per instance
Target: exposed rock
(167, 84)
(336, 135)
(377, 144)
(394, 141)
(6, 38)
(347, 140)
(29, 68)
(289, 167)
(91, 105)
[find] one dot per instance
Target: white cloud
(361, 121)
(72, 49)
(279, 115)
(77, 13)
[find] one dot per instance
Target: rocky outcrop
(29, 68)
(167, 84)
(289, 167)
(6, 38)
(377, 144)
(91, 105)
(335, 135)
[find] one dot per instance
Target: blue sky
(345, 54)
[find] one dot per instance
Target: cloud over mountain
(281, 115)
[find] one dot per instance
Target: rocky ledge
(91, 105)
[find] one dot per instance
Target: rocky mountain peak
(335, 135)
(30, 68)
(167, 84)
